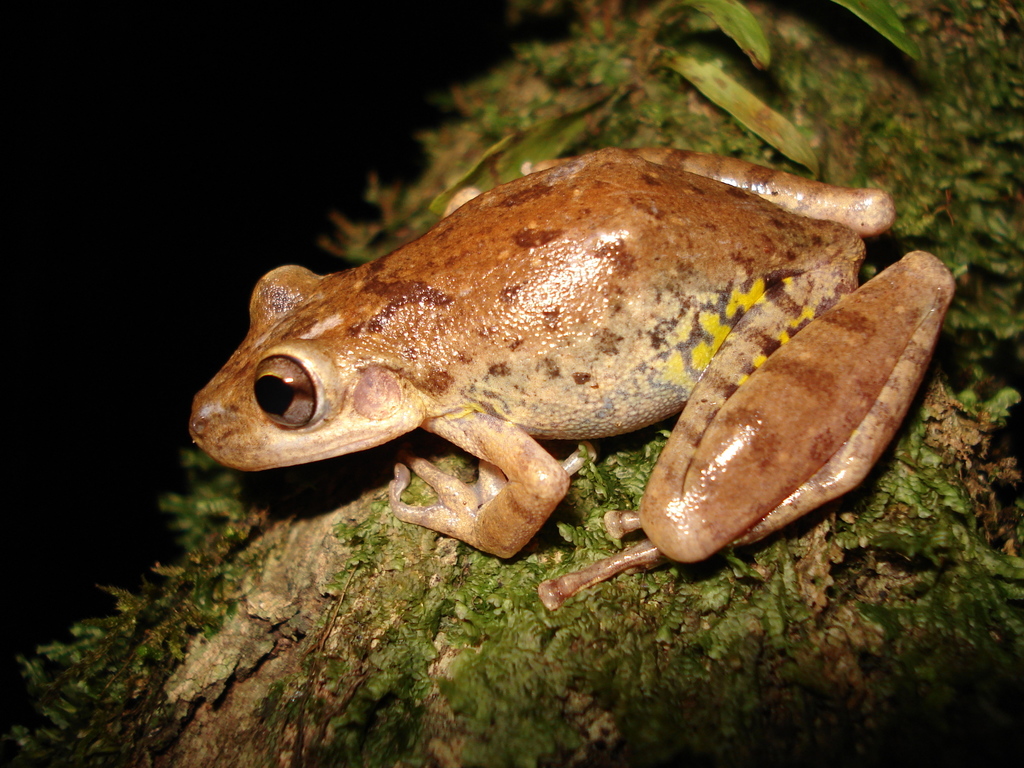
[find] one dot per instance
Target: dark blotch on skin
(766, 343)
(499, 369)
(773, 280)
(728, 389)
(375, 266)
(823, 446)
(532, 192)
(509, 293)
(407, 291)
(807, 376)
(619, 255)
(403, 293)
(745, 261)
(607, 342)
(549, 367)
(645, 205)
(852, 322)
(535, 238)
(659, 332)
(581, 378)
(436, 382)
(782, 300)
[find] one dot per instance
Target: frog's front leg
(802, 429)
(494, 515)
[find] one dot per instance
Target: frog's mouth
(229, 441)
(294, 414)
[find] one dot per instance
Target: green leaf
(504, 160)
(737, 22)
(883, 19)
(750, 111)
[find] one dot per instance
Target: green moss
(106, 686)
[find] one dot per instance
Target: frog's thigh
(501, 525)
(808, 424)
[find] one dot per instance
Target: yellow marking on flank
(466, 410)
(675, 371)
(701, 356)
(743, 380)
(709, 322)
(807, 314)
(739, 300)
(784, 337)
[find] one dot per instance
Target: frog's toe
(490, 481)
(574, 462)
(554, 592)
(403, 511)
(457, 502)
(399, 483)
(619, 522)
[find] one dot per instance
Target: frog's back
(575, 301)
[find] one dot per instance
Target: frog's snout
(201, 421)
(197, 424)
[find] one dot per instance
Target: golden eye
(285, 391)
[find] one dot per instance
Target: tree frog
(592, 298)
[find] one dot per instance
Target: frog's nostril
(197, 424)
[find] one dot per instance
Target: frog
(593, 297)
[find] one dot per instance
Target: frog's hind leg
(768, 322)
(554, 592)
(808, 424)
(848, 467)
(866, 356)
(867, 212)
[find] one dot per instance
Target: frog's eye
(285, 391)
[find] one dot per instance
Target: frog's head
(289, 397)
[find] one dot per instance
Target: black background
(165, 157)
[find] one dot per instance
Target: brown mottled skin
(591, 299)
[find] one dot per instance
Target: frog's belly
(597, 373)
(571, 409)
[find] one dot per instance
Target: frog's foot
(619, 522)
(554, 592)
(457, 502)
